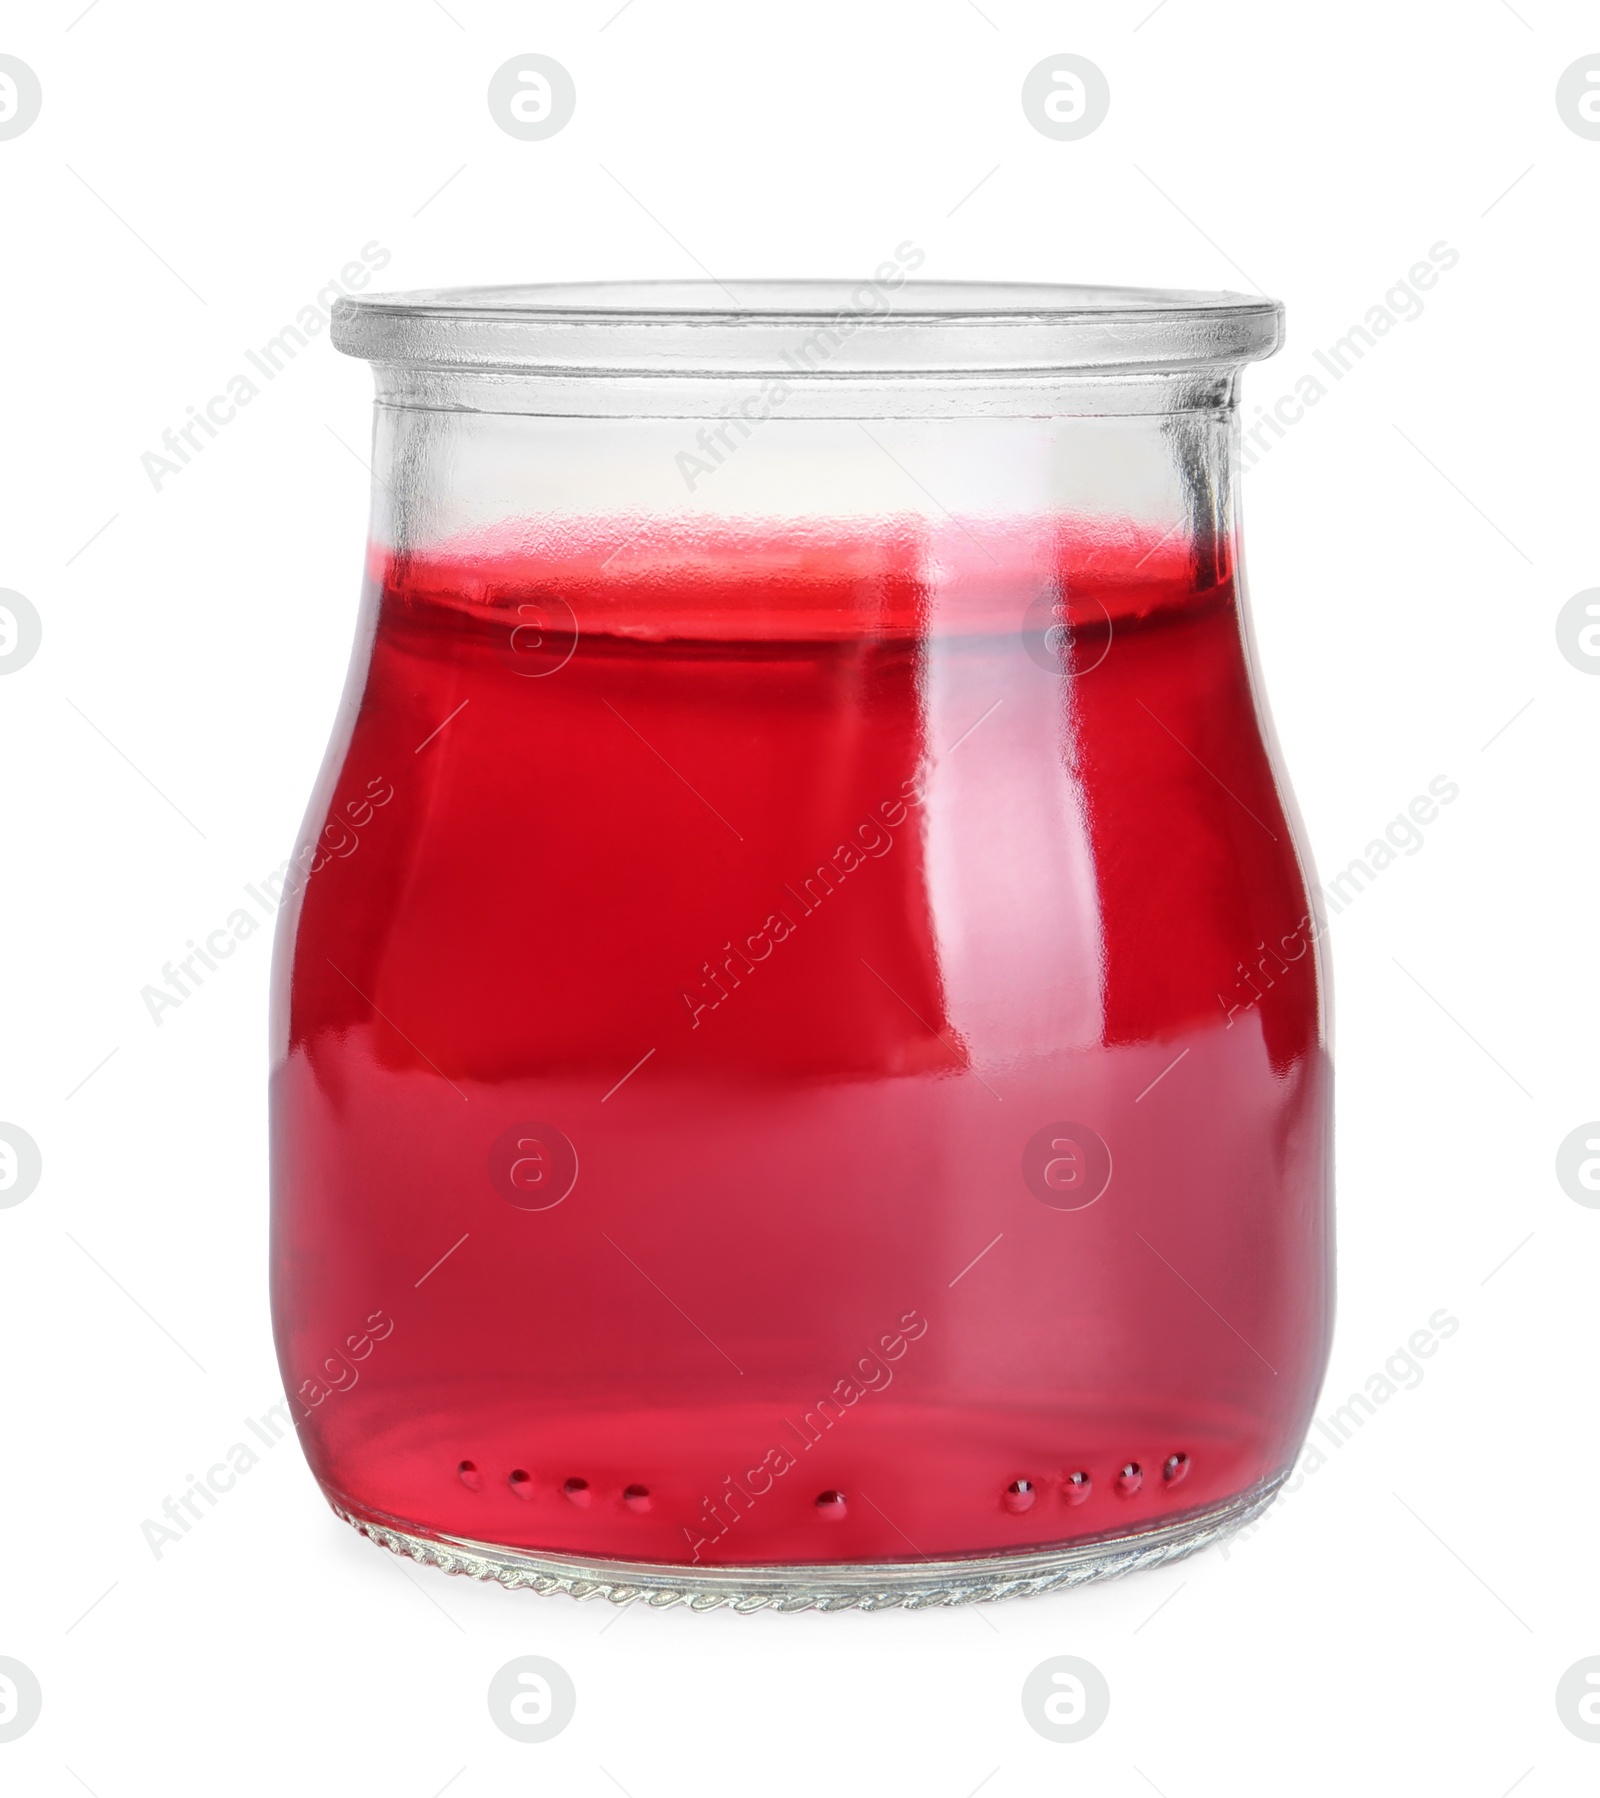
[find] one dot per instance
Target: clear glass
(799, 1063)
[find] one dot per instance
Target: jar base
(821, 1586)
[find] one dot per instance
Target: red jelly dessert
(800, 1046)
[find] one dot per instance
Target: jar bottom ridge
(924, 1583)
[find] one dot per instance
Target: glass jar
(799, 1071)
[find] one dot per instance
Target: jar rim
(808, 329)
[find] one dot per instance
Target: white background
(196, 174)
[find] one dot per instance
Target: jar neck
(449, 477)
